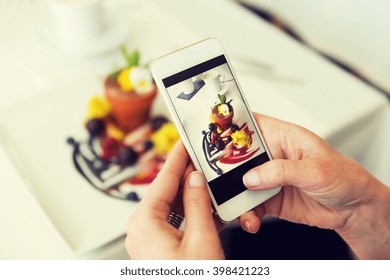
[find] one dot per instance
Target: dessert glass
(224, 122)
(130, 109)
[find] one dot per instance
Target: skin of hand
(150, 236)
(321, 187)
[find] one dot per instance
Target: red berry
(110, 148)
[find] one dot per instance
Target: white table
(353, 31)
(300, 87)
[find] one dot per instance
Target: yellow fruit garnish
(98, 107)
(165, 138)
(124, 79)
(115, 132)
(241, 138)
(212, 119)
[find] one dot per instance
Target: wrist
(367, 229)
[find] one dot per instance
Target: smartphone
(215, 123)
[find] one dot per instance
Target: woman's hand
(150, 236)
(321, 187)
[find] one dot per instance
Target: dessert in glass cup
(130, 92)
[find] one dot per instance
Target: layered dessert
(222, 114)
(226, 141)
(130, 92)
(126, 145)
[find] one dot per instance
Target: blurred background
(323, 65)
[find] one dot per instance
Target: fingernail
(196, 180)
(251, 179)
(248, 227)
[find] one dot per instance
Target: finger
(251, 220)
(190, 167)
(279, 172)
(218, 224)
(164, 188)
(197, 206)
(177, 204)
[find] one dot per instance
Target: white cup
(76, 22)
(187, 86)
(213, 81)
(197, 78)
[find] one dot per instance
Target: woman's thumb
(277, 172)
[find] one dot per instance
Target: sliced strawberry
(226, 133)
(244, 126)
(110, 148)
(144, 177)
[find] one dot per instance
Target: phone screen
(218, 125)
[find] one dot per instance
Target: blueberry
(157, 122)
(229, 138)
(70, 141)
(148, 145)
(234, 128)
(220, 145)
(212, 126)
(132, 196)
(95, 126)
(127, 156)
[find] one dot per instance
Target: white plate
(34, 135)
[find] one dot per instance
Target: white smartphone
(215, 123)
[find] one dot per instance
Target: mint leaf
(133, 58)
(222, 98)
(124, 52)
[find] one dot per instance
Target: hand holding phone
(214, 122)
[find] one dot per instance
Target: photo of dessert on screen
(215, 119)
(225, 140)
